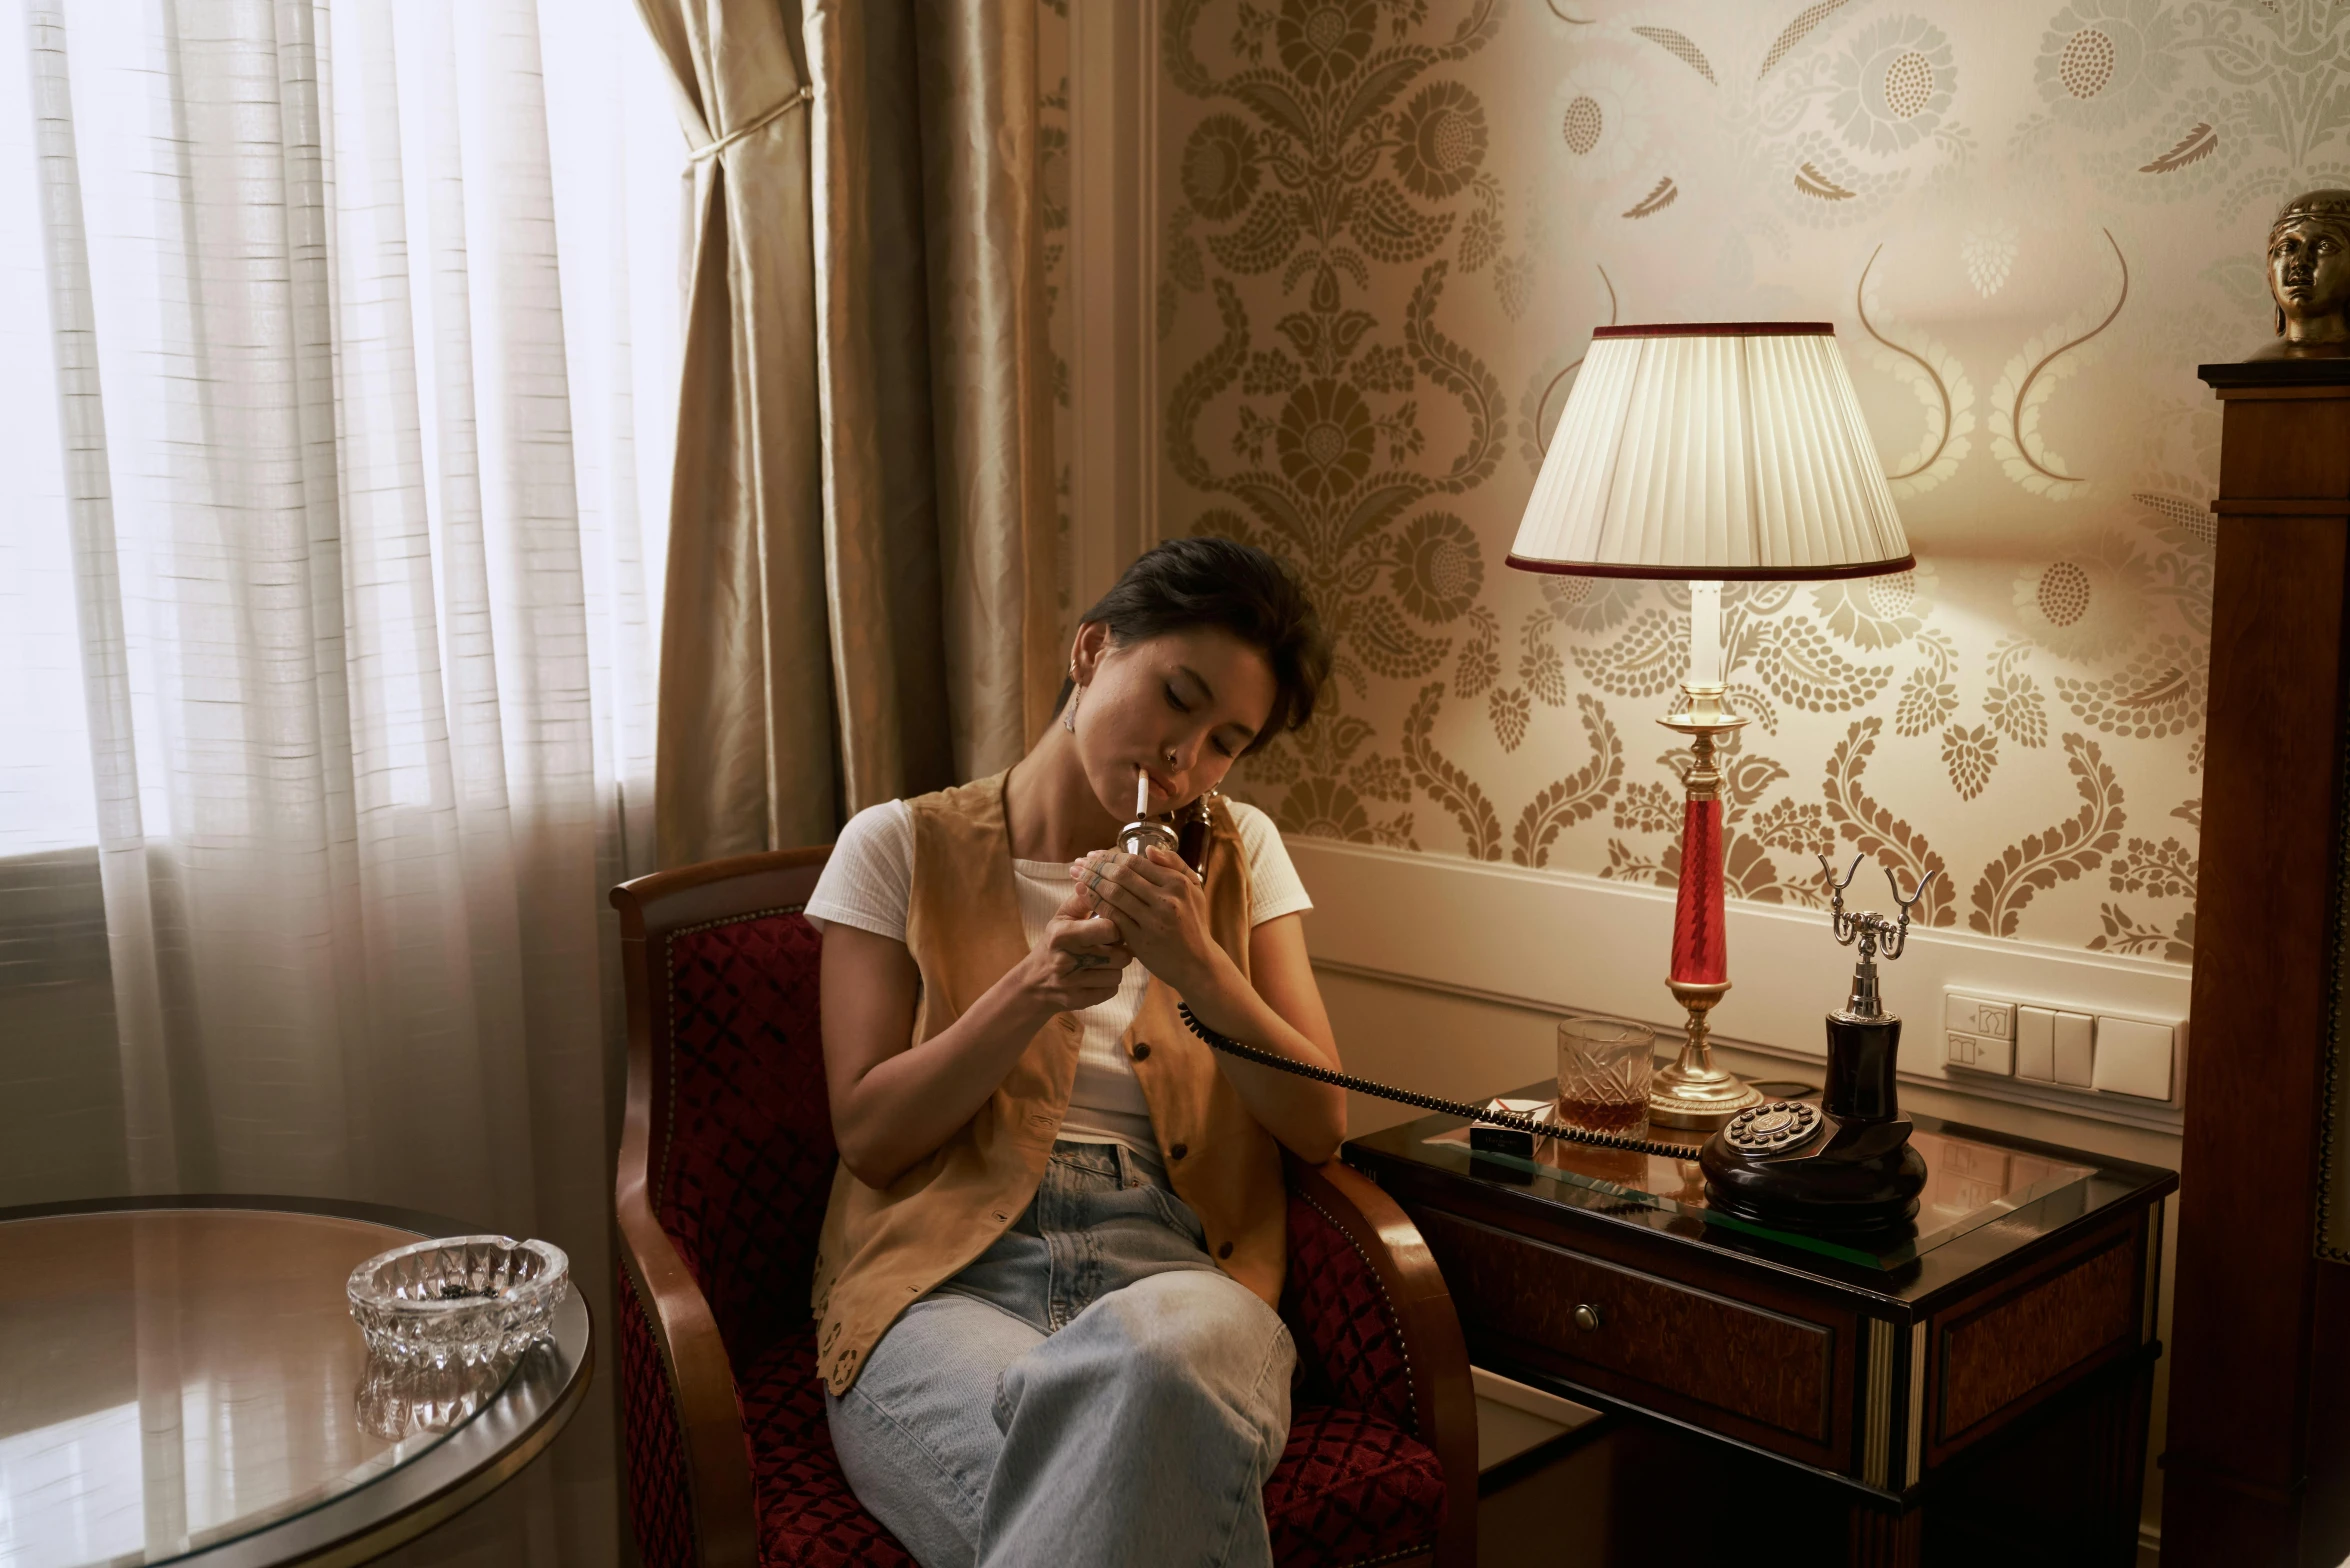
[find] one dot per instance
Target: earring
(1069, 709)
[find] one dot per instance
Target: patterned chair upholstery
(725, 1166)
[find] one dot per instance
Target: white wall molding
(1558, 941)
(1113, 278)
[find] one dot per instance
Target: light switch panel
(1964, 1014)
(1958, 1013)
(2076, 1034)
(2133, 1058)
(1980, 1053)
(2035, 1044)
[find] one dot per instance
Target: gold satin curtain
(860, 597)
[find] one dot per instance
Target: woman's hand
(1160, 909)
(1162, 912)
(894, 1102)
(1076, 964)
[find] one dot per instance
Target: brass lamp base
(1693, 1093)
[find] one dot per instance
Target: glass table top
(1969, 1184)
(173, 1379)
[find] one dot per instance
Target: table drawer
(1658, 1341)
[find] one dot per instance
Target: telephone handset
(1842, 1167)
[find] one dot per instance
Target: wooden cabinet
(1975, 1390)
(2257, 1469)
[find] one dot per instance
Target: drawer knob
(1587, 1317)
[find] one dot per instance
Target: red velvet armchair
(725, 1164)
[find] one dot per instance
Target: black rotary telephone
(1841, 1168)
(1845, 1167)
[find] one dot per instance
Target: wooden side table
(1893, 1377)
(179, 1378)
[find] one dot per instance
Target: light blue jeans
(1091, 1389)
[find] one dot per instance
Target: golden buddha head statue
(2309, 276)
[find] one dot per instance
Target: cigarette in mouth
(1142, 793)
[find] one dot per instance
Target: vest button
(1178, 1151)
(1142, 1051)
(1225, 1251)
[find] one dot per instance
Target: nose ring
(1171, 759)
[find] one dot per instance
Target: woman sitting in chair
(1049, 1268)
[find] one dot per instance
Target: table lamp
(1706, 451)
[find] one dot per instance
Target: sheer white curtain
(335, 453)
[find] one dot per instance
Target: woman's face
(1181, 707)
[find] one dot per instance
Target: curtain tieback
(713, 149)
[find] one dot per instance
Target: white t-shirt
(870, 878)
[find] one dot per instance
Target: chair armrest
(701, 1381)
(1444, 1400)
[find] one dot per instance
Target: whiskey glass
(1605, 1067)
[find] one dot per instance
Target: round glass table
(181, 1382)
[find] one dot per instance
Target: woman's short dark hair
(1188, 583)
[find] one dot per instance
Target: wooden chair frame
(701, 1380)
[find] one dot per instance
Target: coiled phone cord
(1430, 1102)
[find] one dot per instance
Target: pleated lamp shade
(1712, 451)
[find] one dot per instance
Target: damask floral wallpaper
(1389, 228)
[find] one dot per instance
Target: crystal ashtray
(397, 1400)
(464, 1301)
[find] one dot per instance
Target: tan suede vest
(883, 1247)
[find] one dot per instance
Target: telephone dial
(1843, 1167)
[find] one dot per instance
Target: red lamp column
(1693, 1092)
